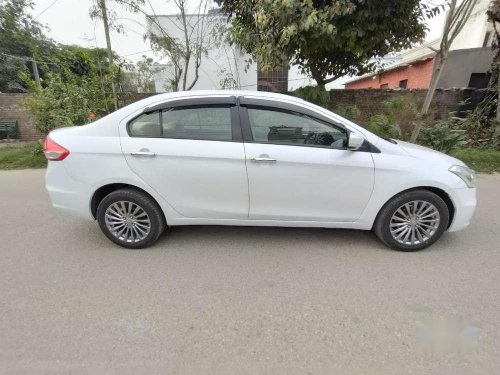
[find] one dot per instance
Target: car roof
(212, 93)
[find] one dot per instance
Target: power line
(25, 58)
(136, 53)
(46, 9)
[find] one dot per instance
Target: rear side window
(210, 123)
(146, 125)
(204, 123)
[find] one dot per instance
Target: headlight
(465, 174)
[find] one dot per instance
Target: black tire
(382, 226)
(148, 205)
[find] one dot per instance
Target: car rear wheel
(412, 221)
(130, 218)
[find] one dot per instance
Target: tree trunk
(187, 55)
(318, 77)
(498, 90)
(108, 44)
(436, 75)
(35, 71)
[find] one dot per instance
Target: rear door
(299, 168)
(191, 153)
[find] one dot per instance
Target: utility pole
(102, 5)
(35, 71)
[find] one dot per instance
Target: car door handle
(261, 160)
(143, 153)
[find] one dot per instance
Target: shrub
(37, 149)
(314, 94)
(61, 102)
(383, 126)
(481, 127)
(403, 113)
(398, 119)
(350, 112)
(444, 136)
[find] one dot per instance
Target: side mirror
(355, 141)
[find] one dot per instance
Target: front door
(190, 157)
(299, 168)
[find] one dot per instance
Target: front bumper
(464, 200)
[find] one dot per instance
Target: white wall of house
(474, 32)
(221, 62)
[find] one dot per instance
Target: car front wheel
(130, 218)
(412, 220)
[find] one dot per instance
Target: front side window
(204, 123)
(146, 125)
(289, 128)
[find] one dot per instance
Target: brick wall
(11, 108)
(371, 101)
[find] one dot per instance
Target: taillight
(53, 151)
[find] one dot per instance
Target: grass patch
(23, 157)
(484, 161)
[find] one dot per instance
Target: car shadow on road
(252, 237)
(184, 238)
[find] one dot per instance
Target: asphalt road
(232, 300)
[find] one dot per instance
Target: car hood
(425, 153)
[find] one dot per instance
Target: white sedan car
(252, 158)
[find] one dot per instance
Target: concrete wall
(474, 31)
(11, 108)
(462, 63)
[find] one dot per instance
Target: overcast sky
(70, 23)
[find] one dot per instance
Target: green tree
(145, 73)
(326, 39)
(76, 88)
(22, 40)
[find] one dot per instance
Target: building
(468, 63)
(223, 66)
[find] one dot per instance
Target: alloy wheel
(415, 222)
(127, 221)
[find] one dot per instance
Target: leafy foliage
(444, 136)
(382, 125)
(481, 126)
(145, 73)
(326, 39)
(398, 119)
(350, 112)
(21, 38)
(73, 92)
(226, 79)
(314, 94)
